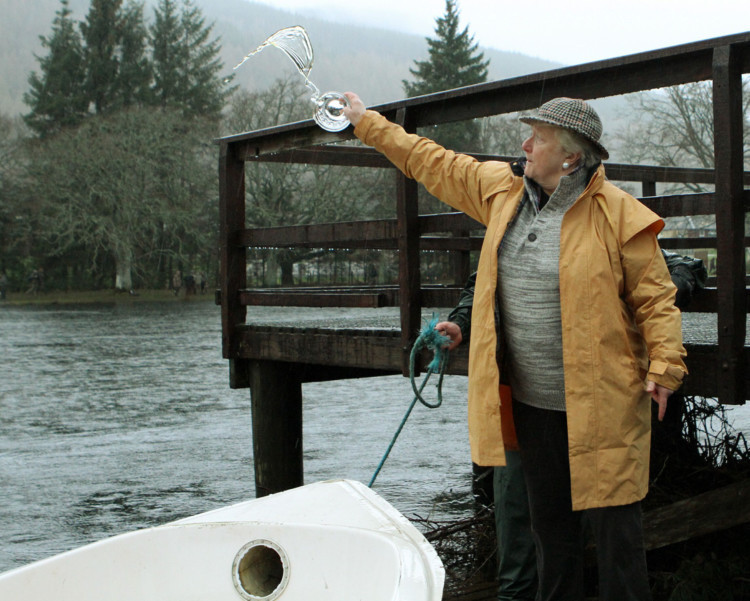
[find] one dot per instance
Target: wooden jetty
(274, 362)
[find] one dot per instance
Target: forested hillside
(371, 61)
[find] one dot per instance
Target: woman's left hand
(660, 394)
(356, 109)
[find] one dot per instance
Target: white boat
(335, 541)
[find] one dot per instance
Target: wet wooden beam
(359, 156)
(365, 349)
(276, 400)
(730, 220)
(306, 298)
(434, 295)
(409, 278)
(692, 242)
(703, 514)
(381, 232)
(381, 350)
(671, 66)
(378, 233)
(704, 367)
(233, 260)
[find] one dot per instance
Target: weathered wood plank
(382, 233)
(233, 260)
(671, 66)
(691, 242)
(382, 350)
(707, 513)
(337, 348)
(303, 298)
(409, 274)
(357, 156)
(433, 295)
(730, 217)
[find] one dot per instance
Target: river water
(119, 417)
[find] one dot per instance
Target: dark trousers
(516, 559)
(559, 531)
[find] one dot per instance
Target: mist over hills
(373, 62)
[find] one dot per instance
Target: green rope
(429, 338)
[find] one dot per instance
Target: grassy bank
(79, 297)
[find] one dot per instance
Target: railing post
(409, 277)
(648, 189)
(730, 223)
(233, 275)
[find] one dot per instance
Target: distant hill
(374, 62)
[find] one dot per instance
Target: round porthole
(260, 571)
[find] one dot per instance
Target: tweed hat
(572, 114)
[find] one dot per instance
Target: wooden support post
(730, 219)
(276, 393)
(233, 276)
(409, 278)
(648, 188)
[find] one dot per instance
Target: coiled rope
(430, 338)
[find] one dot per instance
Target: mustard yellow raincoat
(620, 326)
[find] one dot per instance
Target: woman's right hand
(450, 330)
(356, 109)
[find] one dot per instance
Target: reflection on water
(120, 417)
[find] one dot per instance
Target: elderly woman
(574, 308)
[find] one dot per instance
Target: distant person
(202, 281)
(176, 281)
(33, 282)
(190, 285)
(3, 285)
(574, 309)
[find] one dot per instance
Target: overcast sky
(567, 31)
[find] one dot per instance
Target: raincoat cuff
(664, 374)
(364, 125)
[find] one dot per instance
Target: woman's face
(545, 157)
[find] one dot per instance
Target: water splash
(295, 43)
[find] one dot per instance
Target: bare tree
(127, 187)
(674, 127)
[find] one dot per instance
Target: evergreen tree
(454, 61)
(200, 72)
(57, 95)
(166, 36)
(100, 34)
(118, 69)
(135, 72)
(186, 61)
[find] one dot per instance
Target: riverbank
(106, 297)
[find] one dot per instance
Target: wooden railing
(719, 370)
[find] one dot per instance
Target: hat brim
(531, 120)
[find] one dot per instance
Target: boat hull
(335, 540)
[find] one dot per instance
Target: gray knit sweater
(528, 293)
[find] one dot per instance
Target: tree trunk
(123, 268)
